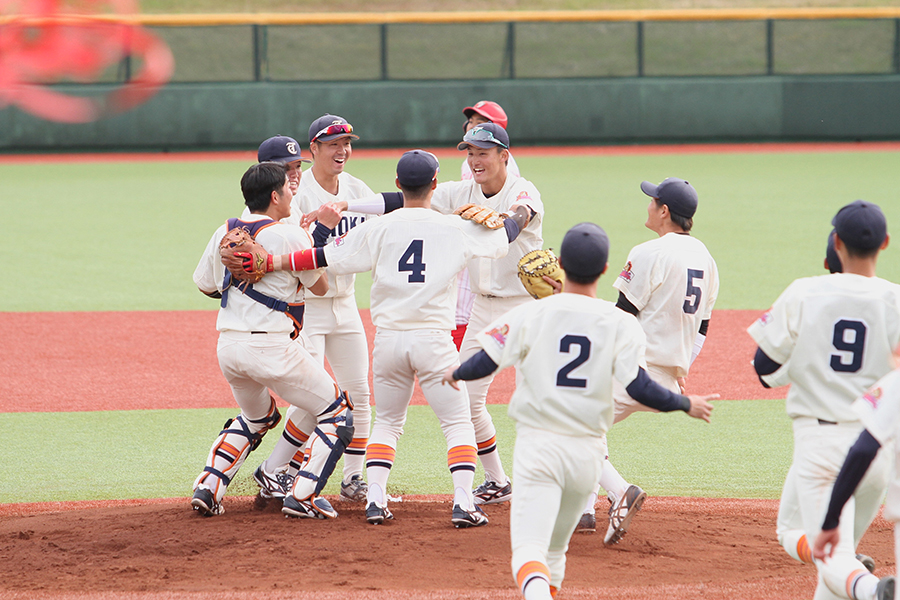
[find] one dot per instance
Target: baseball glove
(243, 256)
(532, 269)
(481, 215)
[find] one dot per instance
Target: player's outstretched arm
(475, 367)
(320, 287)
(700, 406)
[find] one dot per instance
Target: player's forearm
(301, 260)
(854, 469)
(649, 393)
(377, 204)
(475, 367)
(516, 222)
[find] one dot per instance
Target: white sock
(589, 507)
(538, 589)
(610, 480)
(493, 467)
(377, 493)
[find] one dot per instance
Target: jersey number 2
(412, 261)
(565, 345)
(693, 293)
(855, 346)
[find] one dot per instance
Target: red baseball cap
(491, 111)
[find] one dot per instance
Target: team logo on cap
(873, 396)
(627, 274)
(291, 148)
(499, 334)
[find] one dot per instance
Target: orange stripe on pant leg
(488, 443)
(530, 569)
(358, 444)
(380, 452)
(852, 579)
(461, 456)
(803, 550)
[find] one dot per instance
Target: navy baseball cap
(281, 149)
(861, 225)
(679, 195)
(832, 260)
(486, 135)
(417, 168)
(584, 250)
(330, 127)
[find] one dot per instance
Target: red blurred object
(43, 42)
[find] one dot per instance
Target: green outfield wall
(186, 116)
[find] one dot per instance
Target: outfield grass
(127, 236)
(744, 453)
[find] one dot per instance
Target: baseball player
(879, 410)
(789, 527)
(571, 346)
(257, 351)
(832, 337)
(670, 284)
(334, 329)
(494, 281)
(481, 112)
(414, 254)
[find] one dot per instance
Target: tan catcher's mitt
(481, 214)
(249, 268)
(532, 269)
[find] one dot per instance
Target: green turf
(744, 453)
(127, 236)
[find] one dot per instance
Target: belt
(261, 332)
(824, 422)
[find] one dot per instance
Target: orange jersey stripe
(461, 455)
(530, 569)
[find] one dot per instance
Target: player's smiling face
(488, 164)
(331, 156)
(293, 175)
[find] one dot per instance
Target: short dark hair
(684, 222)
(258, 183)
(418, 192)
(855, 252)
(580, 279)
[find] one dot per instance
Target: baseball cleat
(205, 503)
(468, 518)
(587, 523)
(354, 490)
(376, 515)
(885, 588)
(272, 485)
(622, 512)
(867, 561)
(491, 492)
(313, 508)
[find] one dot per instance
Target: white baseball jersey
(414, 255)
(569, 348)
(511, 167)
(488, 276)
(241, 312)
(310, 196)
(834, 334)
(673, 282)
(879, 410)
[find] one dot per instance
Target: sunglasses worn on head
(335, 129)
(479, 134)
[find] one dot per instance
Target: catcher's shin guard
(239, 437)
(333, 434)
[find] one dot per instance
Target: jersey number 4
(411, 261)
(584, 353)
(849, 337)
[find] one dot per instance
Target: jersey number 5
(693, 293)
(565, 346)
(412, 261)
(849, 336)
